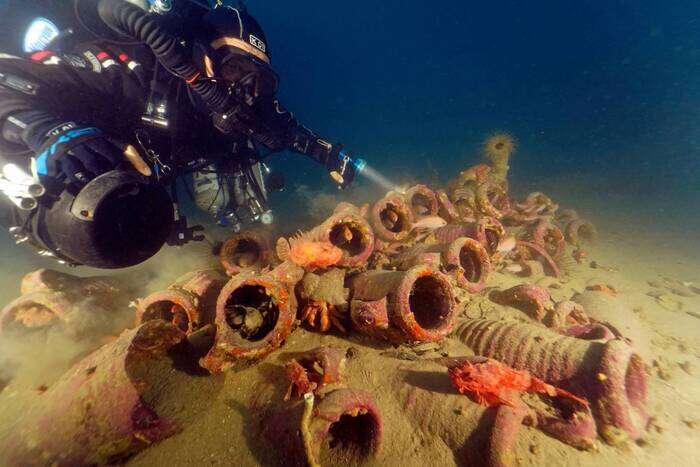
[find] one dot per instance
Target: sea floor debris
(103, 409)
(400, 272)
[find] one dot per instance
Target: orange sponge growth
(309, 251)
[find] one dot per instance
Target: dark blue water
(605, 93)
(594, 86)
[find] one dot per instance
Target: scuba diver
(95, 134)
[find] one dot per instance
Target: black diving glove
(75, 153)
(342, 166)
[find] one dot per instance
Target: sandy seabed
(426, 421)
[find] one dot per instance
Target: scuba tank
(237, 197)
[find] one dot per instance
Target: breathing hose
(132, 21)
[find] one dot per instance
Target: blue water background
(605, 94)
(604, 87)
(609, 87)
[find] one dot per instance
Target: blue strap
(61, 142)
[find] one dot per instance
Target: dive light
(346, 170)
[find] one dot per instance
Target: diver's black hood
(242, 31)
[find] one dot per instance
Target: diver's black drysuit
(80, 111)
(99, 86)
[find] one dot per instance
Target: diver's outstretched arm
(283, 131)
